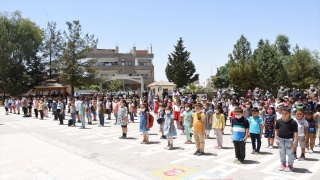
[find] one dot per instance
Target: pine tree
(283, 46)
(240, 65)
(269, 66)
(75, 69)
(51, 49)
(301, 70)
(241, 49)
(180, 69)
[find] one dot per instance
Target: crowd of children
(287, 122)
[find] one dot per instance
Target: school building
(135, 68)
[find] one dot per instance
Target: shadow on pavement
(210, 154)
(153, 134)
(130, 138)
(311, 159)
(265, 153)
(251, 162)
(154, 142)
(301, 170)
(227, 148)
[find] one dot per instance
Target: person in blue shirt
(239, 135)
(256, 130)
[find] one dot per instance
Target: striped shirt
(239, 127)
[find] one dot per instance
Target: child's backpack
(151, 119)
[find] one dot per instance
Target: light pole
(123, 62)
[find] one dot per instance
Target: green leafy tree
(241, 50)
(75, 69)
(221, 79)
(51, 49)
(115, 85)
(20, 41)
(269, 66)
(91, 87)
(180, 69)
(316, 66)
(192, 87)
(301, 70)
(283, 46)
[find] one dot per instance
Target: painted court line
(10, 125)
(179, 160)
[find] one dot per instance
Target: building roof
(50, 86)
(161, 83)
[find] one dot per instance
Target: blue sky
(209, 28)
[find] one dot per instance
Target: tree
(91, 87)
(115, 85)
(240, 74)
(269, 66)
(75, 69)
(316, 66)
(221, 79)
(283, 46)
(241, 49)
(301, 70)
(180, 69)
(192, 87)
(51, 50)
(20, 41)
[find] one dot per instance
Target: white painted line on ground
(127, 147)
(10, 125)
(23, 123)
(224, 170)
(178, 160)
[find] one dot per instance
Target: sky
(209, 28)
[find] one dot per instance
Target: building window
(137, 74)
(130, 74)
(130, 63)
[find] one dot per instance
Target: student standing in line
(317, 118)
(208, 112)
(144, 123)
(115, 105)
(302, 133)
(239, 135)
(218, 124)
(100, 107)
(82, 114)
(187, 121)
(36, 107)
(123, 118)
(168, 129)
(6, 106)
(54, 109)
(286, 136)
(198, 123)
(18, 105)
(60, 111)
(73, 113)
(40, 107)
(312, 129)
(269, 122)
(256, 130)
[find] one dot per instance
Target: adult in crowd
(164, 94)
(193, 96)
(282, 92)
(268, 94)
(170, 94)
(151, 99)
(295, 94)
(220, 94)
(257, 93)
(144, 94)
(313, 92)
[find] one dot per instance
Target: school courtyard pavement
(43, 150)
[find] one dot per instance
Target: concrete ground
(41, 149)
